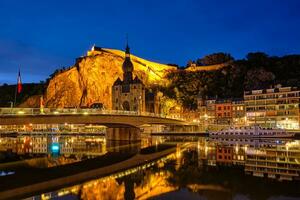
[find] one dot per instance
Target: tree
(258, 78)
(216, 58)
(258, 59)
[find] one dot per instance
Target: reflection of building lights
(55, 112)
(205, 116)
(85, 113)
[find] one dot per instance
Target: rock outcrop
(91, 78)
(31, 102)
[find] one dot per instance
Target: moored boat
(252, 131)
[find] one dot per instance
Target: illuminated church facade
(130, 94)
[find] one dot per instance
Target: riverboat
(254, 131)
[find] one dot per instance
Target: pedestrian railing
(76, 111)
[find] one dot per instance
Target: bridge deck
(110, 118)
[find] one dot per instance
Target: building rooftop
(272, 90)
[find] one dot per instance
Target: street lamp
(11, 104)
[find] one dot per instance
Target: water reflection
(48, 151)
(205, 169)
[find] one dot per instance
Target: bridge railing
(75, 111)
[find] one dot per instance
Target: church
(130, 93)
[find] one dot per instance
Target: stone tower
(128, 94)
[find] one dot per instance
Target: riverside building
(276, 107)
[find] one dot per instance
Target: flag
(19, 83)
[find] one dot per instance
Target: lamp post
(11, 104)
(140, 106)
(205, 122)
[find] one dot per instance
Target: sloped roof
(118, 82)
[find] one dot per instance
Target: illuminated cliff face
(91, 79)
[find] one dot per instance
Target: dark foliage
(7, 93)
(213, 59)
(258, 71)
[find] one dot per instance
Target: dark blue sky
(40, 36)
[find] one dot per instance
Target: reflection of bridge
(123, 123)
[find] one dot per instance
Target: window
(117, 100)
(116, 88)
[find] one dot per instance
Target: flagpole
(17, 87)
(16, 90)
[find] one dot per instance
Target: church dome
(127, 64)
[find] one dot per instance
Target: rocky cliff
(91, 78)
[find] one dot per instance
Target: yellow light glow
(21, 112)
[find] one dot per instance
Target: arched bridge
(109, 118)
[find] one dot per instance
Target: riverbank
(203, 134)
(70, 175)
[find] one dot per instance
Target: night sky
(39, 37)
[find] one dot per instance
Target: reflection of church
(130, 93)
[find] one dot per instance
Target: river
(202, 168)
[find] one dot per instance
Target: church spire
(127, 51)
(127, 64)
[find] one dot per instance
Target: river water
(203, 168)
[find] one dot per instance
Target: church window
(116, 88)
